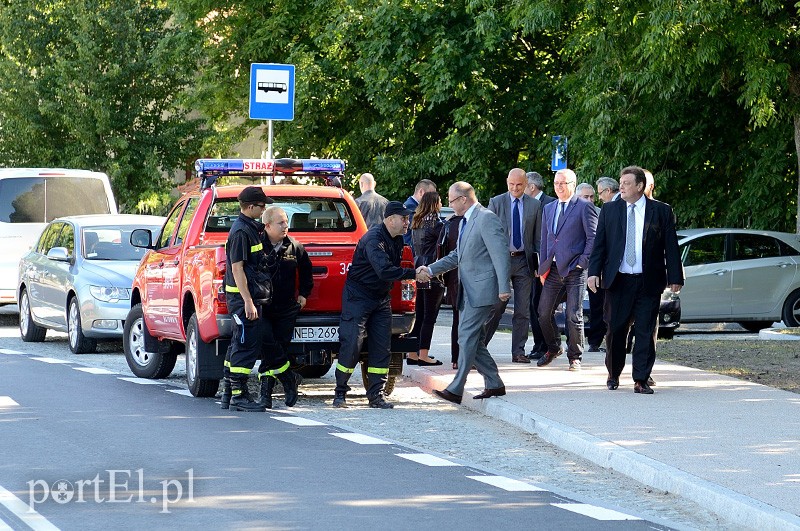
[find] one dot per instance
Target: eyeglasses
(453, 200)
(563, 183)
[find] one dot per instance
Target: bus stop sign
(271, 91)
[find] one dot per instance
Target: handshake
(422, 274)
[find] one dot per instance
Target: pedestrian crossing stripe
(7, 401)
(427, 460)
(593, 511)
(94, 370)
(358, 438)
(511, 485)
(300, 421)
(141, 381)
(51, 360)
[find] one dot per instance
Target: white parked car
(30, 198)
(78, 277)
(749, 277)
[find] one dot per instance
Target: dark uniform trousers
(245, 348)
(362, 316)
(277, 330)
(630, 304)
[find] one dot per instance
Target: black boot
(226, 393)
(379, 402)
(240, 400)
(265, 395)
(289, 382)
(339, 399)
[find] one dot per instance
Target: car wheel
(144, 364)
(791, 309)
(754, 326)
(200, 387)
(314, 371)
(30, 331)
(78, 343)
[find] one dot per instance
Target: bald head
(516, 182)
(366, 182)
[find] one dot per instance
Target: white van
(32, 197)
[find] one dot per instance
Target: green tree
(404, 89)
(98, 84)
(699, 92)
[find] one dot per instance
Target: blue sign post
(271, 94)
(559, 161)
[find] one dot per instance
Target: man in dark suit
(536, 190)
(483, 262)
(521, 217)
(568, 228)
(634, 258)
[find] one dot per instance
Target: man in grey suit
(521, 217)
(482, 259)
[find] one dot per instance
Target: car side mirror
(59, 254)
(142, 238)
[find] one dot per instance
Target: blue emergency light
(210, 169)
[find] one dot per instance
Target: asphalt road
(261, 470)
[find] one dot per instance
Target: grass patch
(772, 363)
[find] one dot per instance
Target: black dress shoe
(409, 361)
(535, 355)
(596, 348)
(548, 357)
(520, 359)
(428, 363)
(447, 395)
(612, 384)
(642, 388)
(488, 393)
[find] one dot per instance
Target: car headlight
(108, 294)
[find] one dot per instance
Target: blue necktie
(516, 230)
(559, 217)
(461, 230)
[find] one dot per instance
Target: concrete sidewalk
(730, 445)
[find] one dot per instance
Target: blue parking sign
(559, 161)
(271, 91)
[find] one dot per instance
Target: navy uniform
(290, 270)
(366, 308)
(245, 245)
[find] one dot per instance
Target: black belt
(632, 275)
(517, 253)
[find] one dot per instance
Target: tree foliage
(97, 84)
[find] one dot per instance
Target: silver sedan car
(749, 277)
(77, 278)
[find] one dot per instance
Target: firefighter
(247, 287)
(366, 308)
(289, 268)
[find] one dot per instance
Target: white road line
(94, 370)
(592, 511)
(508, 484)
(360, 439)
(184, 392)
(5, 527)
(51, 360)
(427, 460)
(28, 515)
(141, 381)
(9, 351)
(300, 421)
(7, 401)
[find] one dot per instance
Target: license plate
(315, 334)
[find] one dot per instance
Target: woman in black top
(425, 231)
